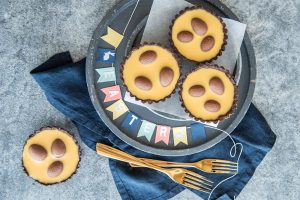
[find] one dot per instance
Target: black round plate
(117, 19)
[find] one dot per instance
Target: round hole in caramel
(58, 148)
(37, 152)
(207, 43)
(148, 57)
(166, 76)
(212, 106)
(216, 85)
(185, 36)
(197, 91)
(143, 83)
(55, 169)
(199, 26)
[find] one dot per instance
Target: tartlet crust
(175, 55)
(59, 129)
(234, 103)
(225, 31)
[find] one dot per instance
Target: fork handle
(116, 154)
(162, 163)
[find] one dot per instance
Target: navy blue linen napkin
(65, 87)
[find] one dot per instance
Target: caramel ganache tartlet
(150, 73)
(51, 155)
(198, 34)
(209, 93)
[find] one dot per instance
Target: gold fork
(206, 165)
(179, 175)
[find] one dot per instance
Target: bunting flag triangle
(180, 135)
(131, 122)
(198, 132)
(106, 74)
(113, 37)
(118, 109)
(106, 55)
(162, 134)
(147, 130)
(112, 93)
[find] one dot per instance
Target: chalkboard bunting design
(118, 109)
(106, 74)
(113, 37)
(112, 93)
(180, 135)
(106, 55)
(147, 130)
(198, 132)
(162, 134)
(131, 122)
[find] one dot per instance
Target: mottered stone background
(33, 30)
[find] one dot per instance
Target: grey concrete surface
(33, 30)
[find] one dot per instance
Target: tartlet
(198, 34)
(209, 93)
(51, 155)
(150, 72)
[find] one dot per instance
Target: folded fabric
(65, 87)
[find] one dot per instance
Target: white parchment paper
(157, 30)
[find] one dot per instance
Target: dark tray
(117, 19)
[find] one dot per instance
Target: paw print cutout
(150, 73)
(210, 97)
(201, 31)
(51, 155)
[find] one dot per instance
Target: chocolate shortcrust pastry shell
(234, 103)
(225, 31)
(62, 130)
(175, 55)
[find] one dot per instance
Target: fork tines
(198, 182)
(223, 161)
(224, 166)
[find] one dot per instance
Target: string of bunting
(131, 122)
(143, 128)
